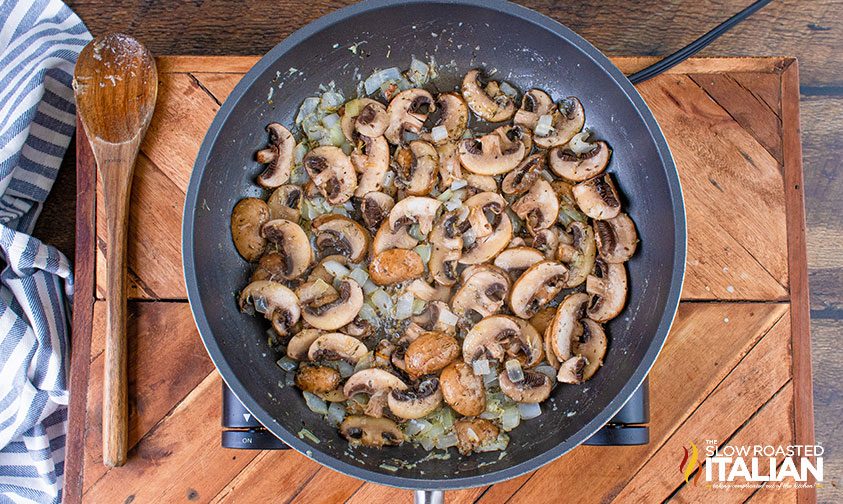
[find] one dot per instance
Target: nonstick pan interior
(519, 46)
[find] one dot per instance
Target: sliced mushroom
(408, 111)
(577, 251)
(447, 242)
(527, 346)
(364, 116)
(247, 219)
(542, 319)
(546, 241)
(374, 208)
(276, 301)
(474, 433)
(537, 287)
(429, 353)
(491, 154)
(462, 389)
(592, 345)
(484, 212)
(319, 271)
(371, 159)
(339, 235)
(616, 238)
(299, 344)
(443, 264)
(416, 166)
(480, 183)
(386, 238)
(453, 116)
(607, 287)
(534, 388)
(534, 104)
(427, 292)
(285, 203)
(292, 246)
(566, 327)
(598, 198)
(377, 384)
(339, 312)
(358, 328)
(572, 370)
(395, 266)
(316, 292)
(486, 100)
(579, 167)
(491, 226)
(521, 179)
(516, 260)
(481, 295)
(539, 207)
(332, 172)
(369, 431)
(435, 317)
(449, 164)
(278, 156)
(568, 209)
(317, 379)
(566, 123)
(418, 402)
(337, 346)
(488, 338)
(414, 210)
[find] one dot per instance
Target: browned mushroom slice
(485, 248)
(572, 370)
(377, 384)
(407, 112)
(491, 154)
(299, 344)
(285, 203)
(462, 389)
(369, 431)
(317, 379)
(395, 266)
(534, 104)
(538, 208)
(488, 338)
(616, 238)
(332, 172)
(374, 208)
(527, 348)
(533, 388)
(414, 210)
(292, 246)
(479, 183)
(417, 402)
(452, 120)
(516, 260)
(247, 219)
(337, 346)
(274, 301)
(277, 156)
(565, 123)
(316, 292)
(537, 287)
(484, 212)
(339, 235)
(449, 164)
(519, 180)
(386, 238)
(427, 292)
(339, 312)
(319, 271)
(436, 316)
(566, 327)
(481, 295)
(577, 249)
(364, 116)
(474, 433)
(429, 353)
(598, 198)
(486, 99)
(579, 167)
(546, 241)
(592, 345)
(371, 159)
(416, 167)
(607, 286)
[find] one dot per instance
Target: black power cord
(697, 45)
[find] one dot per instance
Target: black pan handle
(625, 428)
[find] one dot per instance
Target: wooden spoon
(116, 84)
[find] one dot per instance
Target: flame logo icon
(689, 463)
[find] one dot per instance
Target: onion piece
(507, 89)
(481, 367)
(368, 313)
(439, 133)
(336, 269)
(307, 108)
(336, 414)
(514, 371)
(382, 302)
(369, 287)
(330, 120)
(315, 403)
(448, 317)
(377, 79)
(287, 364)
(446, 441)
(359, 275)
(544, 125)
(415, 427)
(419, 305)
(404, 306)
(510, 418)
(424, 252)
(529, 410)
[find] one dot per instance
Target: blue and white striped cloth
(39, 43)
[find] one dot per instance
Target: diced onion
(439, 133)
(445, 196)
(377, 79)
(336, 414)
(452, 204)
(424, 252)
(458, 184)
(415, 427)
(369, 287)
(427, 443)
(416, 233)
(490, 378)
(529, 410)
(315, 403)
(447, 317)
(481, 367)
(301, 150)
(331, 101)
(307, 108)
(419, 72)
(287, 364)
(409, 136)
(336, 269)
(549, 371)
(468, 238)
(345, 369)
(368, 313)
(446, 441)
(418, 306)
(260, 304)
(543, 126)
(359, 275)
(510, 418)
(382, 302)
(404, 306)
(289, 378)
(514, 371)
(508, 90)
(498, 444)
(364, 363)
(330, 120)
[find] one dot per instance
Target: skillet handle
(429, 497)
(626, 427)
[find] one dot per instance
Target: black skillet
(528, 50)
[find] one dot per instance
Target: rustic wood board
(740, 344)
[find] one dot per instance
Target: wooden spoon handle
(115, 412)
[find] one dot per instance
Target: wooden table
(736, 367)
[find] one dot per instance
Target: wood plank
(272, 476)
(167, 361)
(798, 267)
(765, 86)
(172, 463)
(504, 490)
(326, 487)
(219, 85)
(679, 382)
(828, 388)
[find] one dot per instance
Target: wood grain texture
(735, 343)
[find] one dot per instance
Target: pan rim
(493, 476)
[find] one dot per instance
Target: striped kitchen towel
(39, 43)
